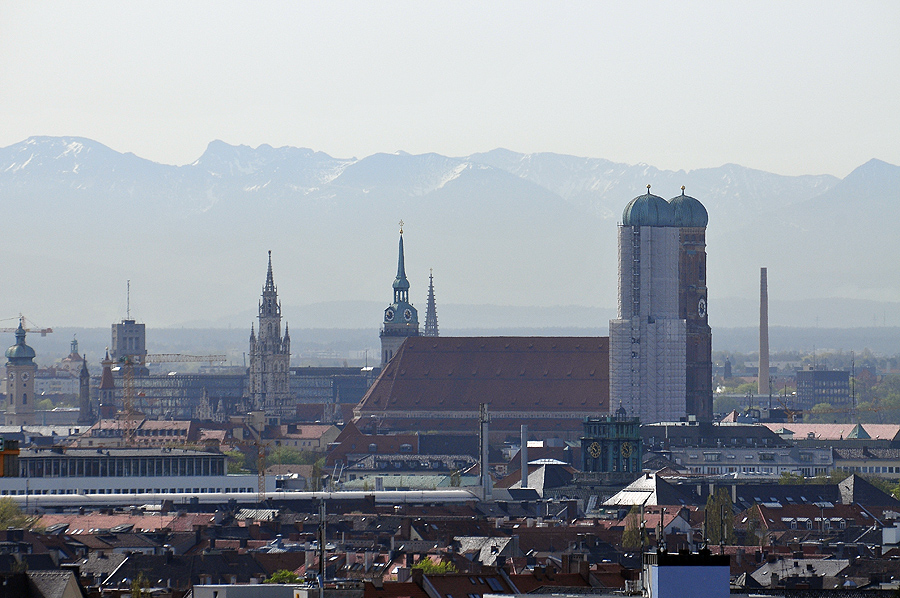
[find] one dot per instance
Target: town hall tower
(270, 356)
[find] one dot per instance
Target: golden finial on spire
(648, 189)
(401, 227)
(682, 189)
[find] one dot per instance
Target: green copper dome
(20, 353)
(648, 210)
(689, 212)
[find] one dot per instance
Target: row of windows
(120, 467)
(871, 469)
(123, 491)
(804, 471)
(808, 524)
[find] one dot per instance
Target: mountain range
(504, 232)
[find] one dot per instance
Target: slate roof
(865, 452)
(100, 564)
(185, 570)
(542, 381)
(802, 568)
(856, 489)
(53, 584)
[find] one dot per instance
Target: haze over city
(692, 90)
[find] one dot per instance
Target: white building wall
(133, 485)
(647, 348)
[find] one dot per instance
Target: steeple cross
(401, 227)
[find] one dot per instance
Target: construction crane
(22, 321)
(130, 415)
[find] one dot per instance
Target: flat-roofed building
(61, 470)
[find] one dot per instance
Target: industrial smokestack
(524, 454)
(763, 333)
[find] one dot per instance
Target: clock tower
(691, 219)
(20, 370)
(401, 319)
(270, 356)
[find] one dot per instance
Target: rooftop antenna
(128, 299)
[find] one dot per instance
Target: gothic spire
(84, 368)
(401, 284)
(270, 280)
(431, 321)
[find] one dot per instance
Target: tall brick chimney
(763, 333)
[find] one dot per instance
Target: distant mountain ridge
(498, 228)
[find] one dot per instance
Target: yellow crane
(128, 362)
(23, 320)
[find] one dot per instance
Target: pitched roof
(651, 489)
(836, 431)
(802, 568)
(54, 584)
(541, 379)
(856, 489)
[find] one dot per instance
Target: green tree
(787, 478)
(429, 567)
(720, 518)
(236, 462)
(284, 455)
(755, 532)
(140, 586)
(631, 537)
(317, 471)
(823, 413)
(12, 516)
(283, 576)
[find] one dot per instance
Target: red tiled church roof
(542, 381)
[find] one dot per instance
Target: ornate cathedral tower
(85, 412)
(647, 339)
(270, 356)
(431, 322)
(691, 219)
(20, 370)
(400, 318)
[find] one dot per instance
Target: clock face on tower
(701, 307)
(594, 449)
(12, 375)
(407, 315)
(389, 315)
(24, 375)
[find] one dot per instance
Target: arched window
(24, 397)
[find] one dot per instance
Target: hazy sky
(789, 87)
